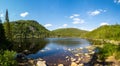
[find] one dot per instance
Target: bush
(117, 53)
(107, 50)
(7, 58)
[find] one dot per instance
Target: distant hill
(105, 32)
(68, 32)
(28, 29)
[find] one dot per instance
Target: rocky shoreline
(71, 57)
(76, 58)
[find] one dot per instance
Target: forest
(111, 32)
(68, 32)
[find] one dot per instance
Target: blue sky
(54, 14)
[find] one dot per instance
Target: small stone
(40, 63)
(73, 59)
(39, 59)
(66, 57)
(79, 59)
(69, 49)
(86, 54)
(76, 54)
(31, 63)
(81, 64)
(92, 52)
(73, 64)
(42, 50)
(81, 47)
(60, 65)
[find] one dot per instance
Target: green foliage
(68, 32)
(32, 45)
(7, 58)
(2, 33)
(111, 32)
(28, 29)
(107, 50)
(117, 53)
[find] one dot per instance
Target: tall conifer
(7, 27)
(2, 33)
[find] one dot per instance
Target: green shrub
(7, 58)
(107, 50)
(117, 53)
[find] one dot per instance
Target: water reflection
(31, 45)
(49, 46)
(70, 42)
(56, 45)
(62, 50)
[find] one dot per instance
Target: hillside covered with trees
(110, 32)
(68, 32)
(27, 29)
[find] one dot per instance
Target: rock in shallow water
(41, 63)
(60, 65)
(73, 64)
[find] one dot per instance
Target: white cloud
(1, 15)
(24, 14)
(103, 10)
(104, 23)
(78, 21)
(96, 12)
(59, 27)
(48, 25)
(65, 25)
(117, 1)
(71, 17)
(74, 15)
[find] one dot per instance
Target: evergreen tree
(2, 35)
(7, 27)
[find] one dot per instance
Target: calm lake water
(55, 49)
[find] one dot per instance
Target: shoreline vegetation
(102, 39)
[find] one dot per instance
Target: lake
(52, 50)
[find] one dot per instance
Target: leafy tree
(7, 58)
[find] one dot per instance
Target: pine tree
(7, 27)
(2, 33)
